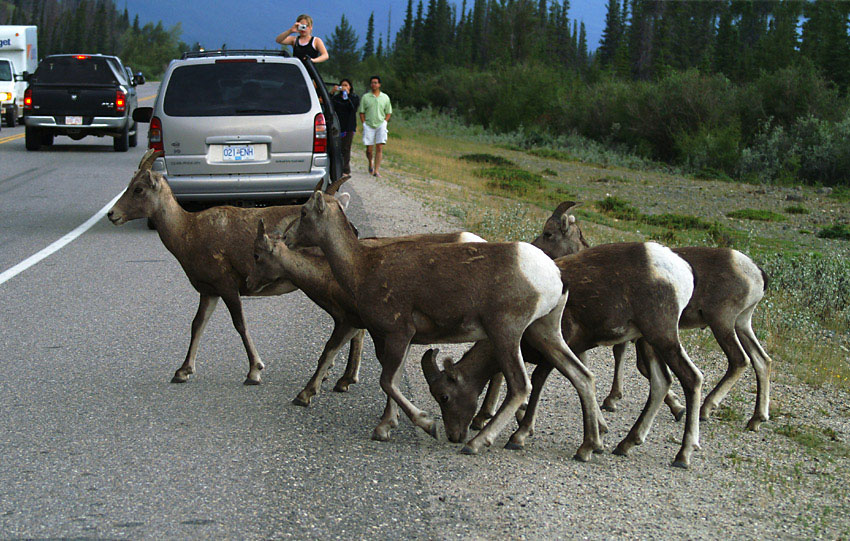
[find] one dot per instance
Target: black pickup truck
(78, 95)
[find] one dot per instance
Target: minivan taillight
(320, 134)
(28, 99)
(155, 135)
(120, 101)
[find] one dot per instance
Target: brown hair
(305, 18)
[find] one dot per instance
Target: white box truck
(18, 57)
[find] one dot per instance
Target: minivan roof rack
(234, 52)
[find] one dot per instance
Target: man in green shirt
(375, 111)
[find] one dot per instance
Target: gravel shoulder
(774, 483)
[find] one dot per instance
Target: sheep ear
(344, 199)
(319, 201)
(571, 219)
(565, 222)
(449, 370)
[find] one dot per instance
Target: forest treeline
(751, 89)
(96, 26)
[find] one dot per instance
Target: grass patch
(835, 231)
(509, 179)
(797, 209)
(841, 193)
(815, 439)
(622, 210)
(553, 154)
(549, 172)
(489, 159)
(756, 214)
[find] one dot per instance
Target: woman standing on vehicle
(345, 103)
(304, 44)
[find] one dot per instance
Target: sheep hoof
(514, 446)
(681, 413)
(341, 386)
(298, 401)
(177, 379)
(680, 464)
(467, 450)
(249, 381)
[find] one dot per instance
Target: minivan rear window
(237, 89)
(75, 70)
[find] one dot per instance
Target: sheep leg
(672, 401)
(526, 426)
(510, 361)
(545, 336)
(491, 400)
(352, 369)
(341, 334)
(206, 307)
(616, 393)
(234, 305)
(392, 356)
(725, 334)
(675, 357)
(761, 364)
(659, 383)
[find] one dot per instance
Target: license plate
(74, 120)
(237, 153)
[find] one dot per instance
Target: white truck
(18, 57)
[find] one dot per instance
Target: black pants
(346, 152)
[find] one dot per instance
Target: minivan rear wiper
(260, 111)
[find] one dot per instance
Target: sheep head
(142, 197)
(561, 234)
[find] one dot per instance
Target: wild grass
(756, 214)
(622, 210)
(510, 179)
(814, 439)
(489, 159)
(797, 209)
(835, 231)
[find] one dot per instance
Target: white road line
(59, 244)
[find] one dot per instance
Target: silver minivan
(243, 127)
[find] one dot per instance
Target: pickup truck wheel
(134, 138)
(11, 118)
(33, 138)
(122, 142)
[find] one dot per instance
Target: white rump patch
(466, 236)
(750, 274)
(543, 275)
(670, 267)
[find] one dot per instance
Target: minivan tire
(33, 138)
(121, 143)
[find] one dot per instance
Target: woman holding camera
(304, 44)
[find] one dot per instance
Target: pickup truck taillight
(28, 99)
(155, 135)
(120, 101)
(320, 134)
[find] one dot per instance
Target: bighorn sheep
(729, 285)
(427, 293)
(618, 292)
(311, 273)
(214, 247)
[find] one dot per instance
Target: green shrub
(756, 214)
(549, 172)
(552, 153)
(676, 221)
(490, 159)
(618, 208)
(510, 179)
(796, 209)
(835, 231)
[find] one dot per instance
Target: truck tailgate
(73, 101)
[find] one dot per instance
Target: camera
(302, 26)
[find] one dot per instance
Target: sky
(253, 24)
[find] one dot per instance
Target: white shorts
(375, 136)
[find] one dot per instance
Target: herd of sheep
(546, 303)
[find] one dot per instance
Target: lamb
(617, 292)
(309, 271)
(427, 293)
(214, 249)
(729, 285)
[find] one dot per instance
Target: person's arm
(286, 37)
(323, 52)
(389, 110)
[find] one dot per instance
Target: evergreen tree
(611, 34)
(342, 47)
(369, 46)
